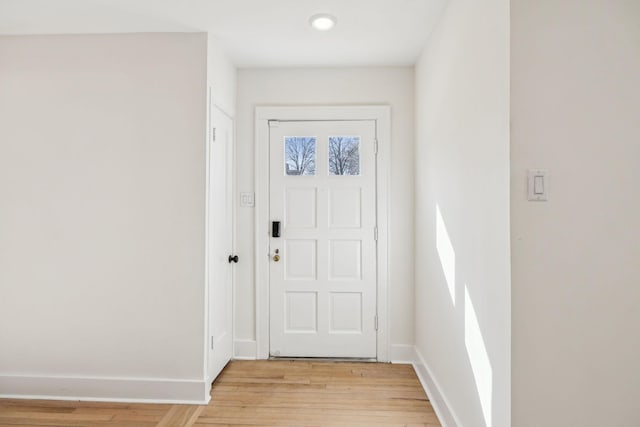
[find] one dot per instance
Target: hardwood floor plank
(307, 393)
(260, 393)
(181, 416)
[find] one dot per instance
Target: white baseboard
(138, 390)
(403, 354)
(438, 400)
(244, 350)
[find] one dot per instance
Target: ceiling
(255, 33)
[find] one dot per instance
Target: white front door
(220, 229)
(323, 264)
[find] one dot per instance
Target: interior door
(322, 271)
(220, 243)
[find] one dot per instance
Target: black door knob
(233, 258)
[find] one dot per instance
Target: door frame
(381, 114)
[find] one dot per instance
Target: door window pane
(344, 155)
(300, 155)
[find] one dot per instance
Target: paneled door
(322, 247)
(220, 230)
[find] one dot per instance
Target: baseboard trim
(244, 349)
(403, 354)
(134, 390)
(438, 400)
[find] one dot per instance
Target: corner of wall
(222, 76)
(438, 400)
(245, 349)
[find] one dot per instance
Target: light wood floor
(260, 393)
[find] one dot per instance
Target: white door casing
(380, 115)
(220, 243)
(323, 267)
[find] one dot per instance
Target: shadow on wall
(479, 362)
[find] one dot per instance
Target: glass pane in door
(300, 155)
(344, 155)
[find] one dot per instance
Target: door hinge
(375, 322)
(375, 146)
(211, 342)
(375, 234)
(213, 134)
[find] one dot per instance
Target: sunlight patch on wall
(479, 358)
(446, 253)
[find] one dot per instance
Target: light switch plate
(537, 185)
(247, 200)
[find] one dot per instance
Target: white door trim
(382, 115)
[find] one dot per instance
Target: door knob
(233, 258)
(276, 257)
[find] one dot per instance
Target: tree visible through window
(300, 155)
(344, 155)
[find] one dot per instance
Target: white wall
(222, 76)
(358, 86)
(576, 270)
(462, 214)
(102, 188)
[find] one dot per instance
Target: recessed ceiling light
(323, 21)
